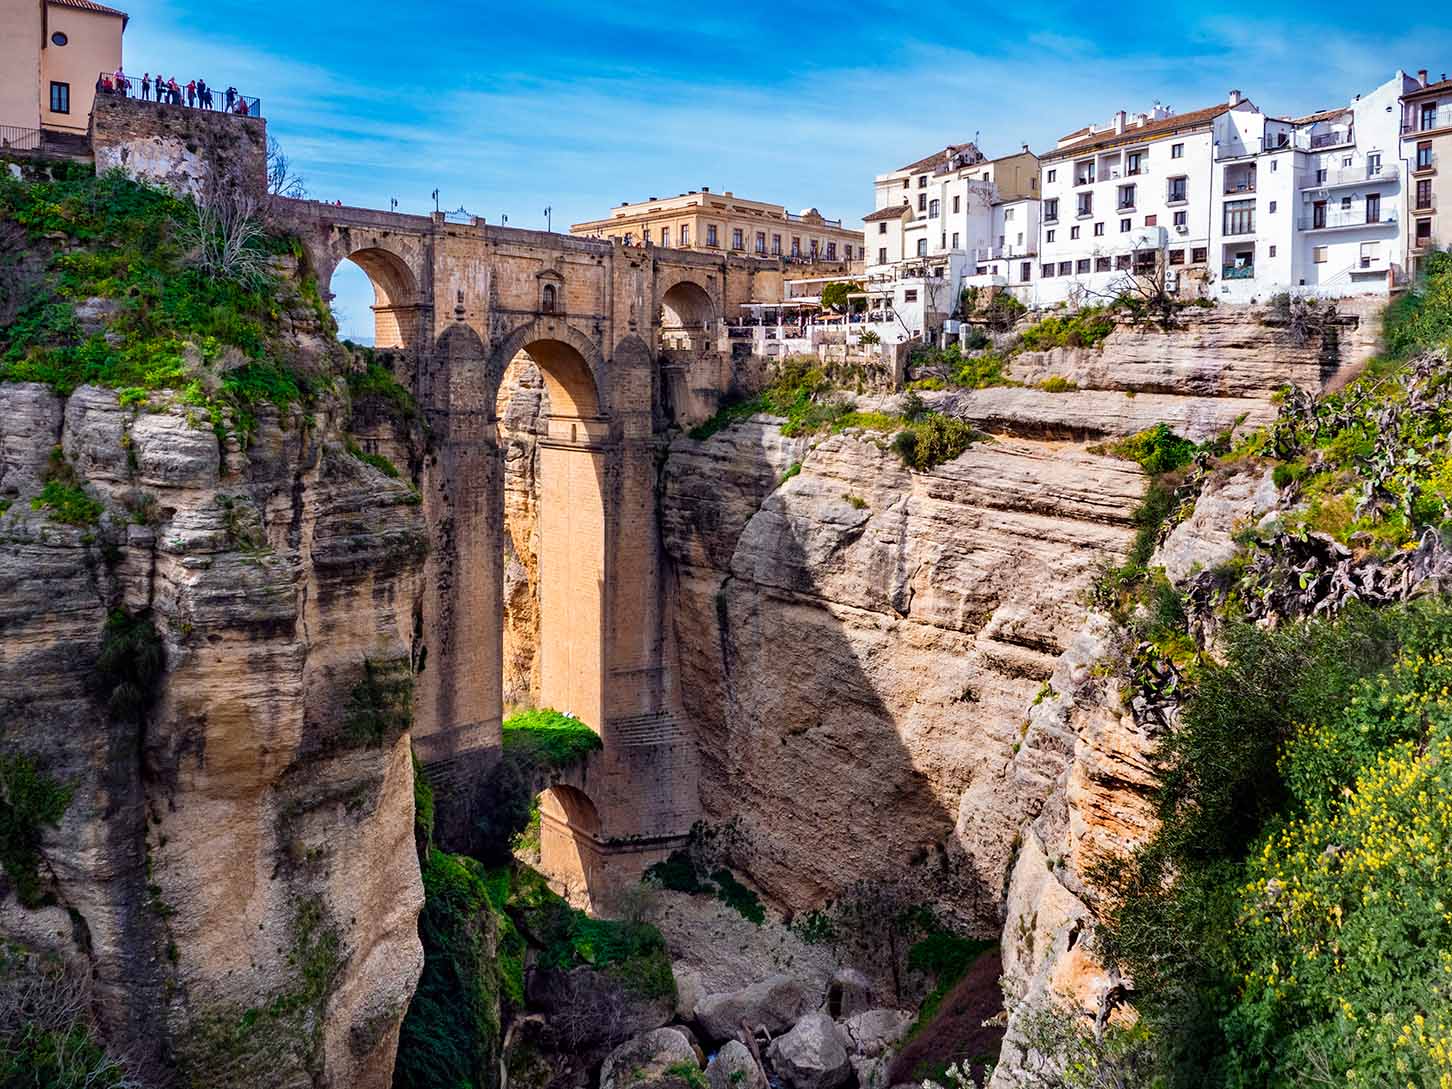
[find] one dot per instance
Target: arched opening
(547, 299)
(394, 302)
(569, 852)
(687, 308)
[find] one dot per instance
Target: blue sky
(509, 108)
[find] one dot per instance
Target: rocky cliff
(211, 653)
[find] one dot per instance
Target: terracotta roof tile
(1132, 134)
(87, 5)
(890, 212)
(1440, 85)
(1319, 115)
(930, 161)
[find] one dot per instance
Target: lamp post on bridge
(548, 220)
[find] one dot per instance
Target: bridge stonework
(630, 341)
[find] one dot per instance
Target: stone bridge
(630, 341)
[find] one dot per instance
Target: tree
(281, 181)
(1143, 289)
(834, 295)
(226, 232)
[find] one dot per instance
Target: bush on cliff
(30, 800)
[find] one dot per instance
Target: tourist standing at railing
(174, 91)
(192, 93)
(146, 87)
(204, 96)
(231, 98)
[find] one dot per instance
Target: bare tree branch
(281, 181)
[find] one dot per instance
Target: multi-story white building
(1130, 196)
(1310, 205)
(1427, 158)
(951, 218)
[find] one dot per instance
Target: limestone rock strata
(857, 642)
(236, 844)
(1081, 789)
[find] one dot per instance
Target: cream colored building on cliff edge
(726, 223)
(51, 53)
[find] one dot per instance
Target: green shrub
(378, 461)
(1157, 449)
(933, 439)
(550, 737)
(29, 800)
(1058, 384)
(380, 704)
(1085, 328)
(47, 1038)
(68, 504)
(129, 667)
(946, 958)
(375, 384)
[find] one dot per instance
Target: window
(1025, 271)
(547, 299)
(957, 204)
(1370, 251)
(796, 246)
(882, 255)
(711, 234)
(1124, 226)
(1272, 251)
(1126, 196)
(1373, 207)
(1346, 204)
(1176, 189)
(922, 247)
(1424, 153)
(922, 202)
(1121, 261)
(1318, 255)
(882, 226)
(60, 98)
(1084, 172)
(1424, 194)
(1099, 230)
(943, 241)
(1424, 231)
(738, 239)
(685, 236)
(1073, 232)
(1429, 115)
(1177, 257)
(629, 239)
(1152, 221)
(910, 295)
(1082, 266)
(814, 245)
(1053, 176)
(932, 209)
(1086, 204)
(1177, 151)
(1373, 164)
(1066, 268)
(922, 181)
(1275, 163)
(1051, 210)
(832, 251)
(904, 183)
(1049, 235)
(1101, 264)
(776, 245)
(955, 240)
(58, 38)
(1199, 255)
(1240, 217)
(1008, 215)
(1047, 270)
(760, 241)
(1134, 163)
(1321, 176)
(1272, 208)
(1182, 219)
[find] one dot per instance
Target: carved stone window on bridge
(551, 292)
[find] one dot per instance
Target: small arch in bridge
(395, 294)
(687, 305)
(569, 837)
(547, 301)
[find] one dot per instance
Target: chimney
(1119, 122)
(1025, 148)
(727, 193)
(1422, 76)
(705, 188)
(1234, 98)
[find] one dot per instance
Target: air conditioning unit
(1182, 229)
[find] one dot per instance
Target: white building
(1312, 205)
(1128, 195)
(950, 219)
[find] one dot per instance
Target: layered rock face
(237, 846)
(857, 642)
(523, 411)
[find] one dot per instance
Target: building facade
(1426, 136)
(726, 223)
(51, 54)
(1129, 197)
(1312, 205)
(952, 219)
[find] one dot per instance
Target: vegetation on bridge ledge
(550, 738)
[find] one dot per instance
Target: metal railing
(1352, 175)
(160, 93)
(1237, 272)
(1441, 118)
(1424, 162)
(1240, 185)
(1424, 204)
(1332, 138)
(792, 217)
(15, 138)
(1348, 217)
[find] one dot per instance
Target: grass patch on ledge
(549, 737)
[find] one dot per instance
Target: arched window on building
(547, 299)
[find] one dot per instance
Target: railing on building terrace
(1441, 118)
(15, 138)
(215, 99)
(1238, 272)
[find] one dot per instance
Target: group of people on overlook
(195, 93)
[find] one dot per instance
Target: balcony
(1336, 219)
(1239, 185)
(1352, 175)
(1334, 138)
(1424, 164)
(1237, 272)
(1424, 205)
(1441, 118)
